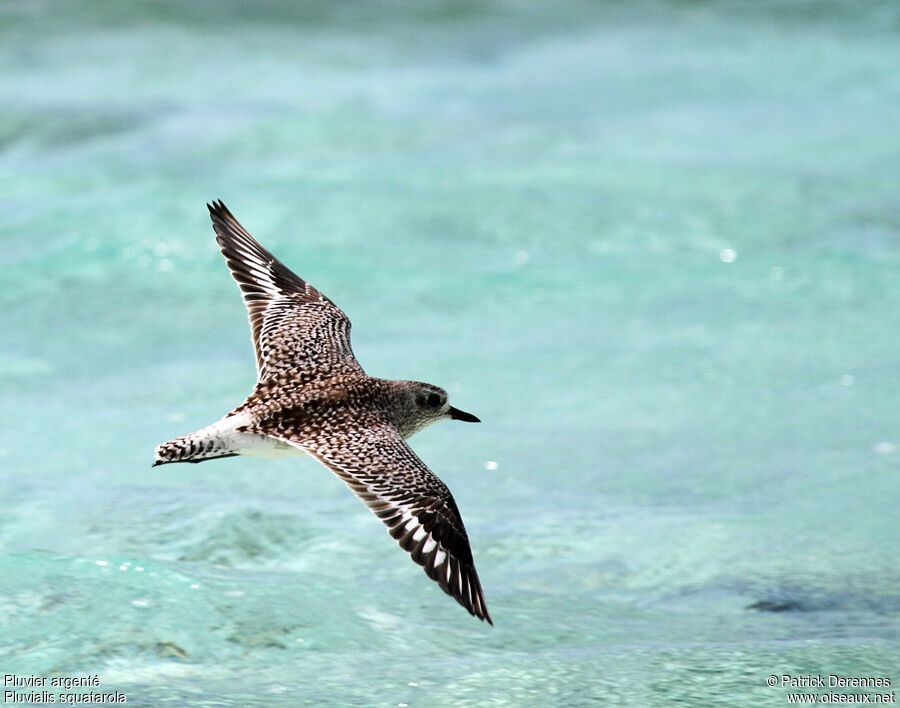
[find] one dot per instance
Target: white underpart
(248, 444)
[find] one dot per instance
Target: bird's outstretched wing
(296, 330)
(415, 505)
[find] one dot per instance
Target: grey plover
(313, 398)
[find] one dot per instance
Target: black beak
(457, 414)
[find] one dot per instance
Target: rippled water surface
(654, 246)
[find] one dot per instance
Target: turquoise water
(654, 246)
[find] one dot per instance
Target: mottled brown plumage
(313, 397)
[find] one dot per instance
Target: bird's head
(424, 404)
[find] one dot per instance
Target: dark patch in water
(242, 536)
(170, 650)
(254, 635)
(776, 606)
(61, 125)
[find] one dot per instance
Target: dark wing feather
(415, 505)
(295, 329)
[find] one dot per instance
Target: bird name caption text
(33, 689)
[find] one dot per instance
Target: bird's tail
(205, 444)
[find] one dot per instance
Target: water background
(653, 245)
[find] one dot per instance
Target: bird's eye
(433, 400)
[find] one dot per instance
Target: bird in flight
(313, 398)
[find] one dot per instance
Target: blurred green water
(654, 246)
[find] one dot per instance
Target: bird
(313, 398)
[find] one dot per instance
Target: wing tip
(469, 593)
(477, 605)
(218, 212)
(230, 234)
(483, 614)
